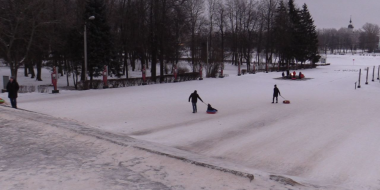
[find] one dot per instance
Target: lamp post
(85, 48)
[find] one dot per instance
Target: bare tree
(221, 22)
(19, 21)
(269, 8)
(194, 10)
(251, 20)
(369, 37)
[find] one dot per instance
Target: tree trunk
(31, 70)
(25, 70)
(153, 38)
(67, 73)
(133, 61)
(39, 67)
(60, 68)
(125, 70)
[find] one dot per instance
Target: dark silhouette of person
(12, 89)
(194, 98)
(276, 92)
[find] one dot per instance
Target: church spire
(350, 26)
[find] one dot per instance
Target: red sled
(286, 102)
(211, 111)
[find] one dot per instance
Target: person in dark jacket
(12, 89)
(209, 108)
(276, 92)
(194, 98)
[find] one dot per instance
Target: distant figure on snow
(276, 92)
(194, 98)
(283, 75)
(209, 108)
(12, 88)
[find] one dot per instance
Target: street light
(85, 48)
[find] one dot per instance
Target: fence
(39, 88)
(113, 83)
(116, 83)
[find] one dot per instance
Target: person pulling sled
(194, 98)
(276, 92)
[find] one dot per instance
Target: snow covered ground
(327, 136)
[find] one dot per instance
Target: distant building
(352, 35)
(350, 26)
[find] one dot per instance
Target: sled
(286, 102)
(211, 111)
(2, 101)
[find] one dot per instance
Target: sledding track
(318, 138)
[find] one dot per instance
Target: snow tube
(1, 101)
(211, 111)
(286, 102)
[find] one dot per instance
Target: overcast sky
(336, 13)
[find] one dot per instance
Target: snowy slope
(328, 135)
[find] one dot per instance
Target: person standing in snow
(12, 89)
(276, 92)
(194, 98)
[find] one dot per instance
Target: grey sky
(336, 13)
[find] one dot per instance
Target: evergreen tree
(296, 36)
(296, 31)
(302, 38)
(99, 41)
(310, 36)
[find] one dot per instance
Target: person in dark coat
(194, 98)
(12, 89)
(209, 108)
(276, 92)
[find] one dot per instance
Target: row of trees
(346, 40)
(153, 32)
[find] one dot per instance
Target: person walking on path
(12, 88)
(194, 98)
(276, 92)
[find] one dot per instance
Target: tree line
(344, 40)
(127, 35)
